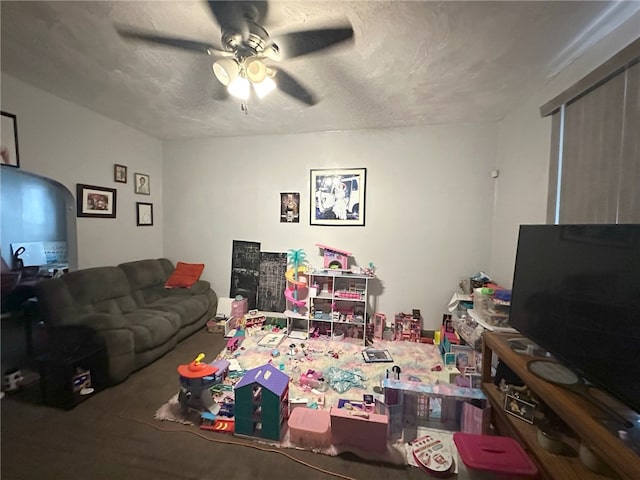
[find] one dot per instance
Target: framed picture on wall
(289, 207)
(97, 202)
(141, 184)
(144, 214)
(9, 140)
(119, 173)
(338, 197)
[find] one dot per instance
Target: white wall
(71, 145)
(524, 142)
(428, 213)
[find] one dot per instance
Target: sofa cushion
(199, 288)
(92, 290)
(147, 279)
(151, 328)
(185, 275)
(188, 308)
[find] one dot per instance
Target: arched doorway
(36, 209)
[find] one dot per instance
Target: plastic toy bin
(310, 428)
(486, 457)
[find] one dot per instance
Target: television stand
(580, 415)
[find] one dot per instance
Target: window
(595, 159)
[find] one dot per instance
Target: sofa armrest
(198, 288)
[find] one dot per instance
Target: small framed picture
(141, 183)
(519, 408)
(144, 214)
(119, 173)
(97, 202)
(9, 140)
(289, 207)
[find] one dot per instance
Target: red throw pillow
(185, 275)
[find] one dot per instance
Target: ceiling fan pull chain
(245, 108)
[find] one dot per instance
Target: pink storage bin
(309, 427)
(486, 457)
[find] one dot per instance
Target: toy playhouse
(262, 403)
(335, 258)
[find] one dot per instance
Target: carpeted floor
(113, 435)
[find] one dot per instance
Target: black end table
(62, 371)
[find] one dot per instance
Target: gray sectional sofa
(127, 309)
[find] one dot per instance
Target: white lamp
(264, 87)
(226, 70)
(240, 88)
(256, 69)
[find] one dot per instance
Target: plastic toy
(253, 319)
(233, 344)
(359, 429)
(262, 402)
(195, 380)
(432, 454)
(207, 420)
(407, 328)
(12, 380)
(223, 425)
(335, 259)
(297, 291)
(312, 379)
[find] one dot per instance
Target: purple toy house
(334, 258)
(262, 403)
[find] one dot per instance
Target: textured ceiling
(411, 63)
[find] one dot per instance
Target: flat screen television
(576, 293)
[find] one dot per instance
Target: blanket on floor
(347, 376)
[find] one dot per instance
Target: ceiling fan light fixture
(264, 87)
(240, 88)
(256, 69)
(226, 70)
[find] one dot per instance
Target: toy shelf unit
(297, 325)
(338, 305)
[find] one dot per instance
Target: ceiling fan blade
(295, 44)
(181, 43)
(293, 88)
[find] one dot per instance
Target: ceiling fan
(246, 51)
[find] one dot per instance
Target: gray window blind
(594, 172)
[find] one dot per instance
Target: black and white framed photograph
(9, 140)
(144, 214)
(289, 207)
(337, 197)
(142, 184)
(97, 202)
(119, 173)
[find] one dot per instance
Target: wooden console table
(579, 415)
